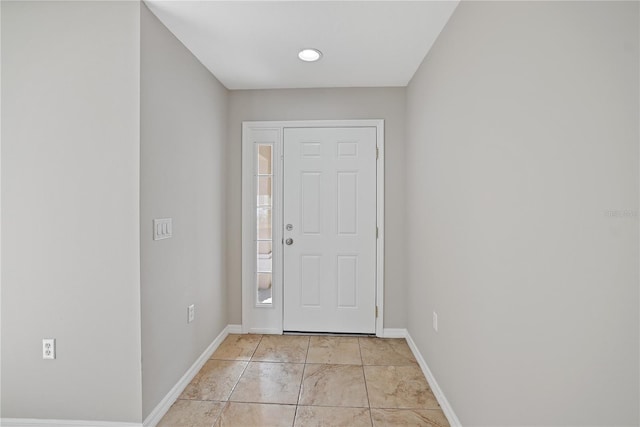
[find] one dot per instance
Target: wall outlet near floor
(49, 348)
(435, 321)
(191, 313)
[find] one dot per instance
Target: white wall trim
(253, 314)
(161, 409)
(380, 224)
(394, 333)
(234, 329)
(264, 331)
(437, 391)
(33, 422)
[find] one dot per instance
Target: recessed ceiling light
(309, 55)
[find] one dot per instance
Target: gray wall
(317, 104)
(182, 176)
(70, 210)
(522, 135)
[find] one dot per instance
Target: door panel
(330, 203)
(310, 196)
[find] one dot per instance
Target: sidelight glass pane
(264, 223)
(265, 256)
(265, 159)
(264, 288)
(264, 190)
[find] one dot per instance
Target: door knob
(289, 241)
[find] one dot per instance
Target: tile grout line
(226, 403)
(304, 368)
(241, 374)
(255, 349)
(366, 387)
(220, 413)
(295, 414)
(306, 355)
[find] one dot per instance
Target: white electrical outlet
(191, 313)
(49, 348)
(435, 321)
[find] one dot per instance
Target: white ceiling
(254, 44)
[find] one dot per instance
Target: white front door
(329, 219)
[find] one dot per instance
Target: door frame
(268, 319)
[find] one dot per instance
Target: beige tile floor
(273, 380)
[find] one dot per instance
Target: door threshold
(329, 334)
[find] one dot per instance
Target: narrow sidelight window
(264, 221)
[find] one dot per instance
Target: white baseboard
(33, 422)
(234, 329)
(394, 333)
(437, 391)
(265, 331)
(161, 409)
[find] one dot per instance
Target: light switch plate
(162, 228)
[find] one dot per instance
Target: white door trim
(252, 319)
